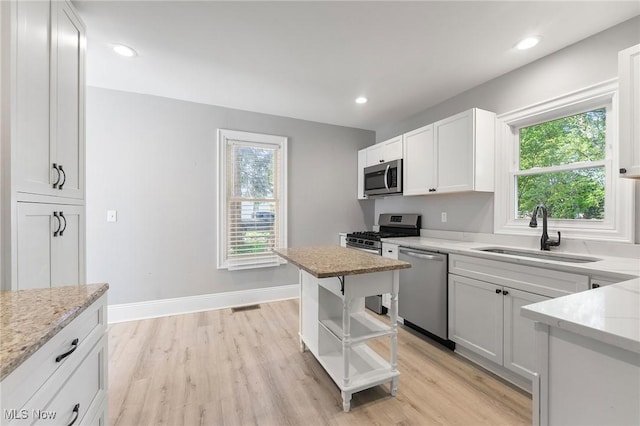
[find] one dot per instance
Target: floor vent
(244, 308)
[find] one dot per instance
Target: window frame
(619, 195)
(261, 260)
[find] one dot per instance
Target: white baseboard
(205, 302)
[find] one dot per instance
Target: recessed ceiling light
(361, 100)
(123, 50)
(528, 42)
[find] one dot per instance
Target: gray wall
(583, 64)
(154, 161)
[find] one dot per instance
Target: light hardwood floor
(244, 368)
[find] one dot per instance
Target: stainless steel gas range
(391, 226)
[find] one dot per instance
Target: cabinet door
(419, 162)
(34, 150)
(519, 333)
(629, 80)
(67, 71)
(393, 149)
(35, 229)
(375, 154)
(455, 153)
(475, 316)
(67, 257)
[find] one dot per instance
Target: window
(251, 199)
(563, 154)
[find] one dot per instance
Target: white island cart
(333, 324)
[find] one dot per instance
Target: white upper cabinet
(451, 155)
(464, 148)
(362, 163)
(382, 152)
(629, 88)
(49, 100)
(419, 164)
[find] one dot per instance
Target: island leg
(346, 341)
(346, 401)
(394, 335)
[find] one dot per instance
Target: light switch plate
(112, 216)
(443, 217)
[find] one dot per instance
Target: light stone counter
(334, 261)
(610, 314)
(30, 318)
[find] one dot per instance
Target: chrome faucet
(545, 242)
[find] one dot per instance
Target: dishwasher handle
(420, 255)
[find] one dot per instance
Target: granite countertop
(334, 261)
(30, 318)
(610, 314)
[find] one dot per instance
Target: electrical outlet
(112, 216)
(443, 217)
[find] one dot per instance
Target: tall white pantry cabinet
(43, 137)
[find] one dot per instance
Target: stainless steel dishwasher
(422, 300)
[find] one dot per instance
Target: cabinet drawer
(84, 389)
(541, 281)
(30, 376)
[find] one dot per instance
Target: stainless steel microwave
(383, 179)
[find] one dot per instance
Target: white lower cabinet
(485, 297)
(485, 319)
(65, 381)
(50, 245)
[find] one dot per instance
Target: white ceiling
(310, 60)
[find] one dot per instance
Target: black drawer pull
(55, 233)
(66, 354)
(498, 291)
(55, 167)
(505, 292)
(64, 175)
(76, 411)
(65, 224)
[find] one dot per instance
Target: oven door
(383, 179)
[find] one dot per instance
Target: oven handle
(372, 251)
(386, 177)
(421, 256)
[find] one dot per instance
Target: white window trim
(258, 261)
(618, 226)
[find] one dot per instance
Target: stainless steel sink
(558, 257)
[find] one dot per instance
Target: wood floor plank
(244, 368)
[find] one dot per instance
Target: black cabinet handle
(65, 223)
(595, 285)
(64, 175)
(76, 412)
(623, 171)
(381, 161)
(66, 354)
(55, 233)
(505, 292)
(55, 167)
(498, 291)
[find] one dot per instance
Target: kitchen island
(333, 324)
(588, 356)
